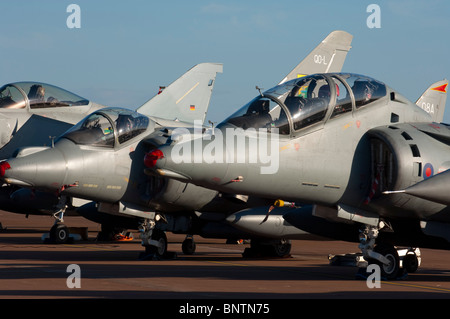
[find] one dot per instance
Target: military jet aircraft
(100, 159)
(336, 141)
(36, 118)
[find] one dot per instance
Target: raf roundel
(428, 171)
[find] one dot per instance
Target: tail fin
(433, 100)
(187, 98)
(328, 56)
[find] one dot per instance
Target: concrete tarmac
(30, 269)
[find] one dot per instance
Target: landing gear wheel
(188, 246)
(277, 249)
(392, 270)
(59, 234)
(161, 249)
(410, 263)
(282, 249)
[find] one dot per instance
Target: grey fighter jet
(336, 142)
(100, 159)
(34, 114)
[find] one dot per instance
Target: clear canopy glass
(306, 101)
(37, 95)
(104, 126)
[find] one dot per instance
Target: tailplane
(433, 100)
(187, 98)
(328, 57)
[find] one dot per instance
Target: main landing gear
(394, 263)
(154, 241)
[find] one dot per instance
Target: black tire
(410, 263)
(282, 249)
(271, 248)
(391, 271)
(188, 246)
(59, 234)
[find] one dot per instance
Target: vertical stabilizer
(329, 56)
(186, 99)
(433, 100)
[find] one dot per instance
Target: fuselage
(322, 156)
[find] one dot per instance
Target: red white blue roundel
(428, 171)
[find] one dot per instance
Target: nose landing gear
(153, 240)
(59, 233)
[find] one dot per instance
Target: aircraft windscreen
(260, 113)
(95, 130)
(307, 99)
(130, 124)
(39, 95)
(100, 128)
(365, 89)
(11, 97)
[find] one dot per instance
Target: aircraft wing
(187, 98)
(37, 131)
(440, 132)
(329, 56)
(433, 100)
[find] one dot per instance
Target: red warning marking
(442, 88)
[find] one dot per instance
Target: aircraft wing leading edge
(37, 131)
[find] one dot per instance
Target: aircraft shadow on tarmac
(228, 266)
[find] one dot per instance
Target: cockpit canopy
(306, 101)
(107, 126)
(37, 95)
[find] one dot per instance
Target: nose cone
(157, 163)
(203, 161)
(434, 188)
(152, 158)
(42, 169)
(3, 167)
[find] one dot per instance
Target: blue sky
(125, 50)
